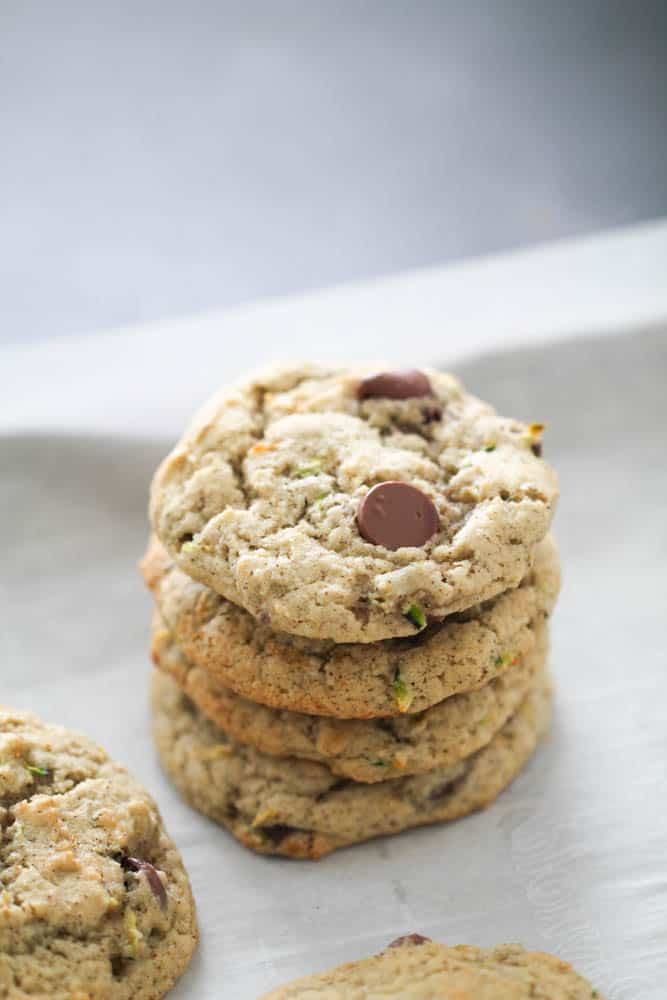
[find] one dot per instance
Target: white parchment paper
(572, 859)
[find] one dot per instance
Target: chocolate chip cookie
(94, 899)
(353, 504)
(349, 680)
(415, 968)
(367, 751)
(300, 808)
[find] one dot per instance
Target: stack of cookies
(352, 574)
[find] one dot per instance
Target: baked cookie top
(364, 750)
(94, 899)
(416, 968)
(300, 808)
(346, 505)
(349, 680)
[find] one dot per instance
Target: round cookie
(366, 751)
(299, 808)
(94, 898)
(350, 680)
(265, 500)
(415, 968)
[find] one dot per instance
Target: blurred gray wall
(158, 157)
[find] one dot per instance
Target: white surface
(147, 379)
(572, 858)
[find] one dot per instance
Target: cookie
(335, 504)
(351, 680)
(299, 808)
(415, 968)
(366, 751)
(94, 899)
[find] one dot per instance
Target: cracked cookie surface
(415, 968)
(95, 903)
(259, 500)
(364, 750)
(301, 809)
(349, 680)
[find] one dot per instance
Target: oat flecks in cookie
(260, 500)
(348, 680)
(363, 750)
(94, 899)
(422, 969)
(300, 809)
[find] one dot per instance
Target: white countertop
(147, 379)
(571, 858)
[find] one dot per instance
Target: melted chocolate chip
(276, 833)
(406, 428)
(395, 385)
(536, 449)
(396, 514)
(431, 413)
(408, 939)
(152, 877)
(447, 787)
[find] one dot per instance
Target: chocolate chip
(395, 385)
(406, 428)
(408, 939)
(440, 791)
(397, 514)
(536, 449)
(431, 414)
(276, 833)
(118, 965)
(447, 787)
(152, 877)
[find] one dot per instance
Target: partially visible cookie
(344, 506)
(350, 680)
(94, 901)
(415, 968)
(364, 750)
(300, 808)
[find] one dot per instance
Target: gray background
(159, 158)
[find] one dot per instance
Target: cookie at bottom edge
(416, 968)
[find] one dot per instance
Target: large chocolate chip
(446, 788)
(396, 514)
(408, 939)
(395, 385)
(276, 833)
(152, 877)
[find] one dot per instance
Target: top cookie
(415, 968)
(94, 899)
(337, 504)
